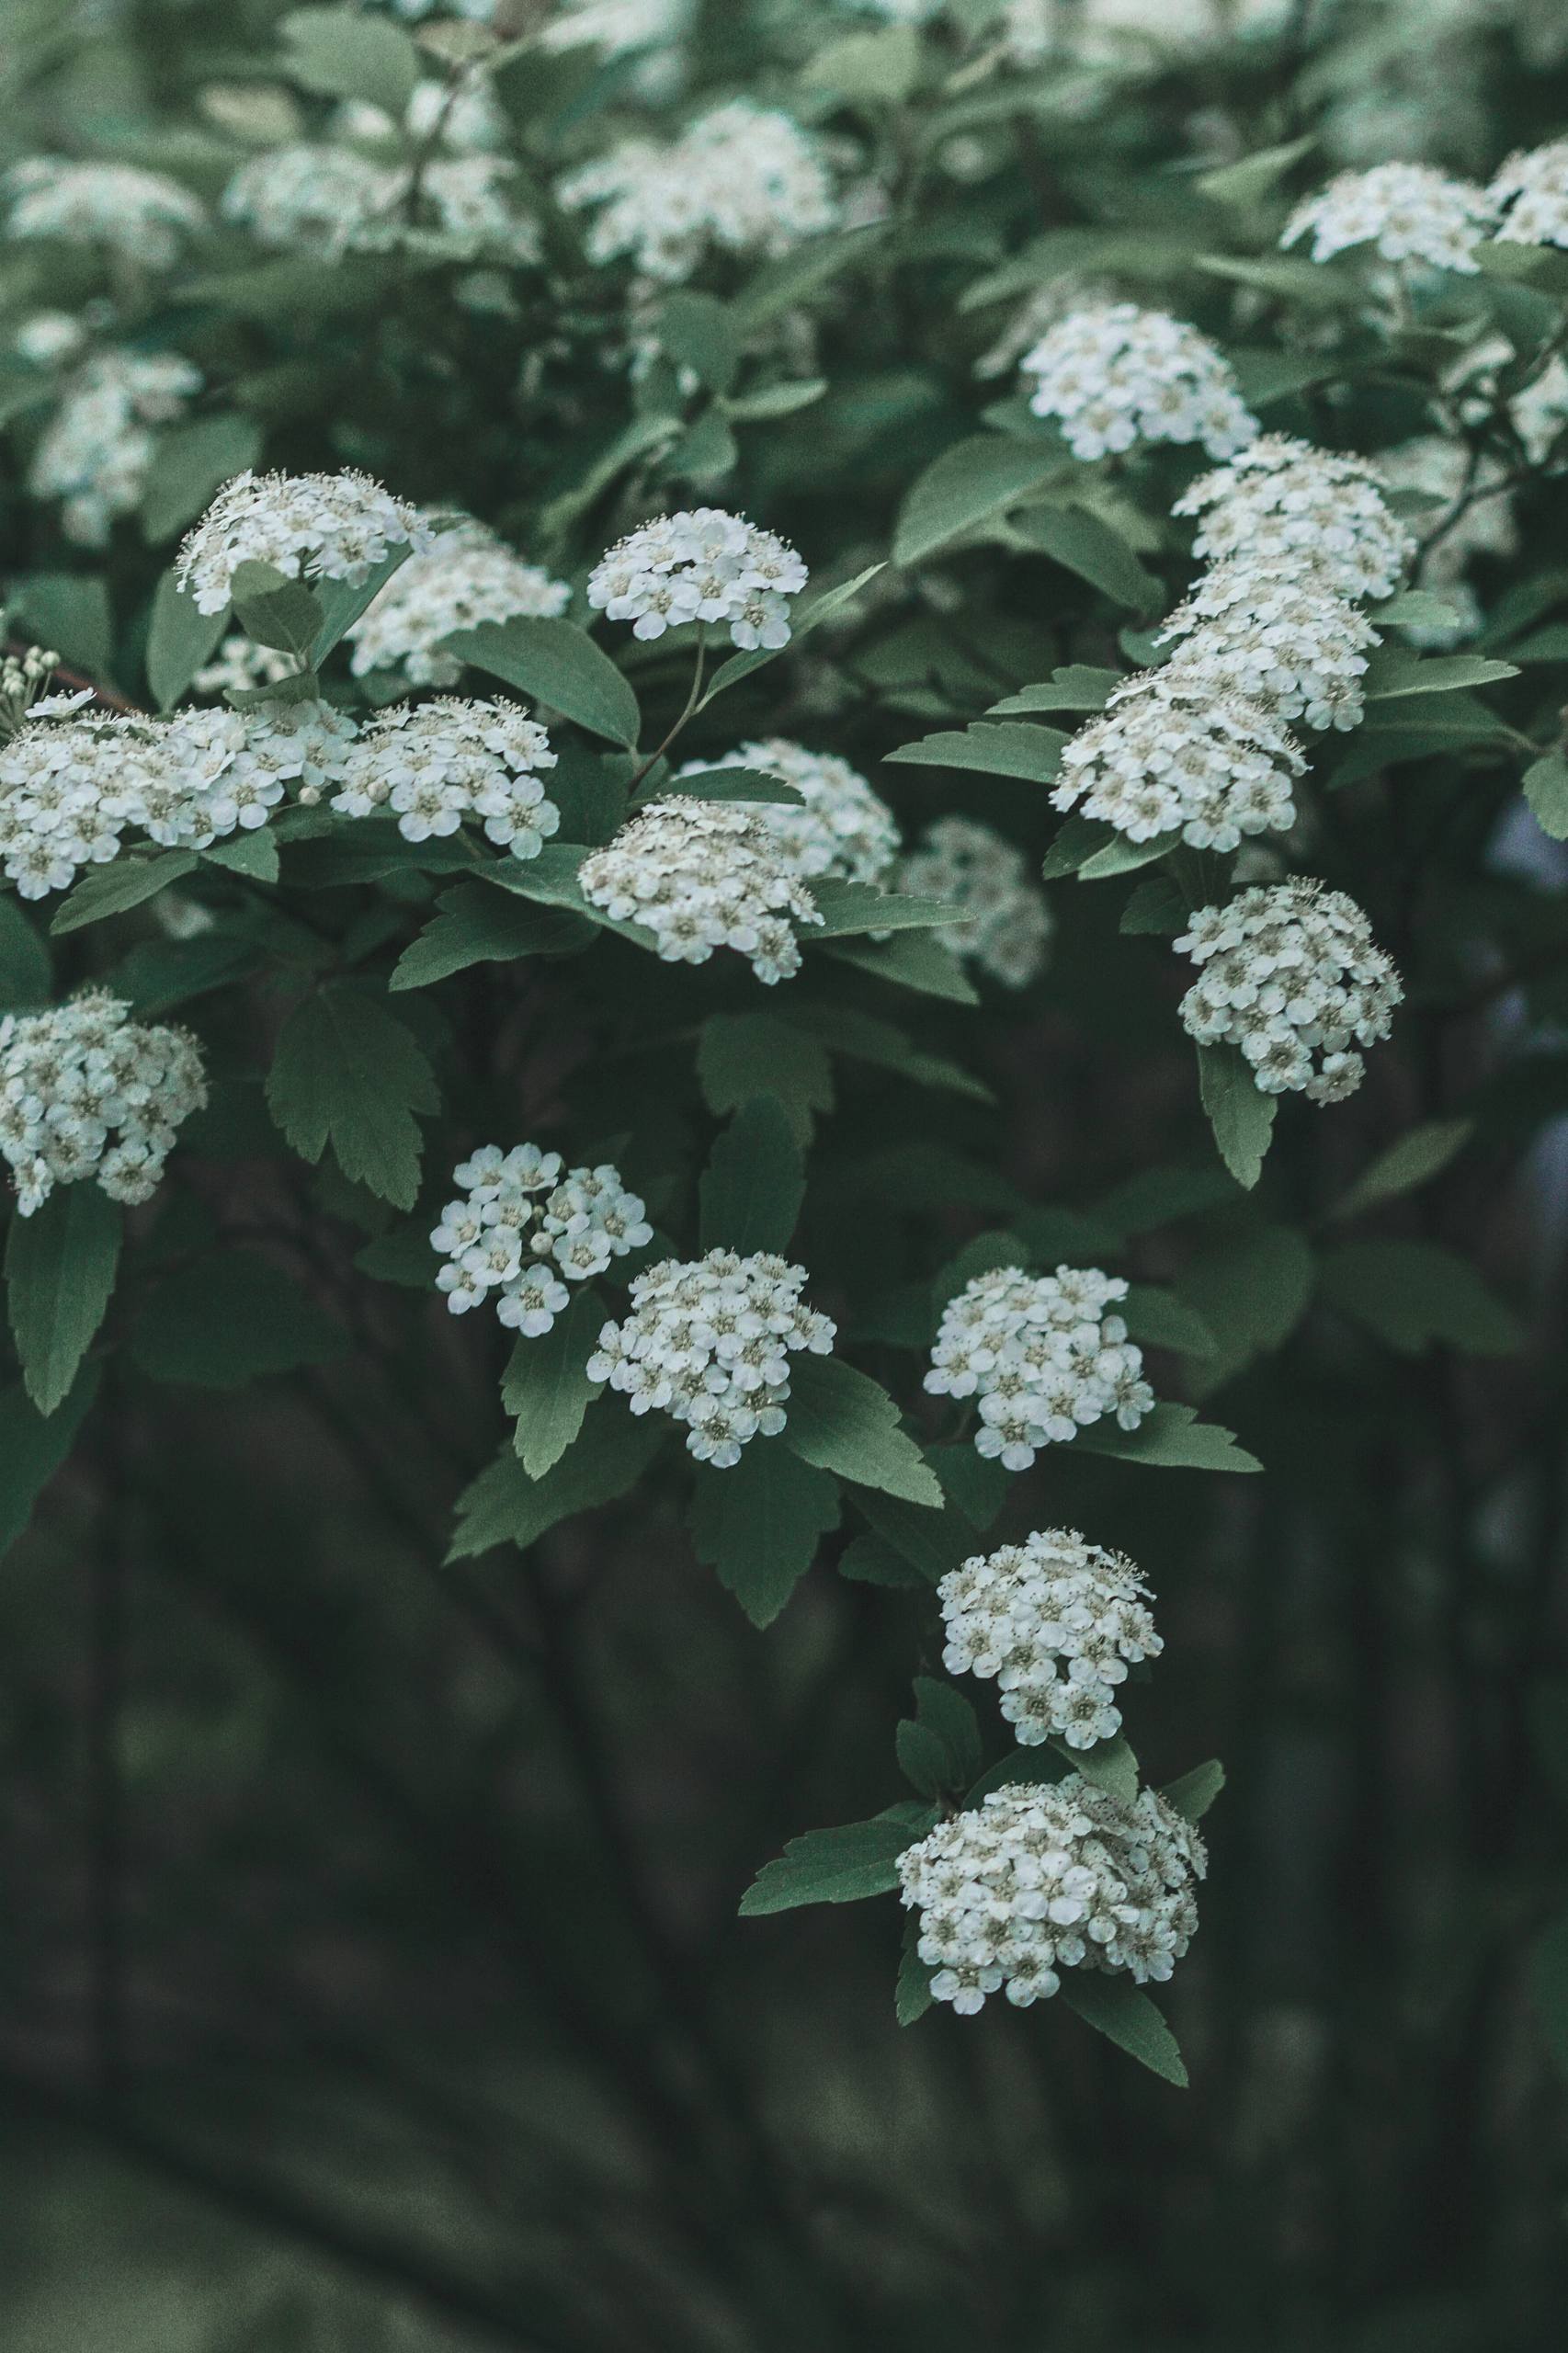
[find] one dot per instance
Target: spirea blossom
(1531, 194)
(844, 827)
(525, 1227)
(1284, 505)
(96, 451)
(1052, 1875)
(1044, 1356)
(310, 527)
(467, 577)
(88, 1094)
(700, 566)
(1287, 643)
(1007, 925)
(1057, 1623)
(240, 665)
(709, 1341)
(1117, 375)
(1290, 973)
(50, 338)
(701, 875)
(1169, 756)
(434, 763)
(310, 195)
(1409, 213)
(140, 217)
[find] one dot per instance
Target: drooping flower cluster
(1284, 506)
(1057, 1622)
(466, 577)
(96, 451)
(1117, 375)
(1043, 1355)
(434, 763)
(1291, 974)
(525, 1227)
(1289, 645)
(844, 828)
(1047, 1876)
(701, 875)
(311, 527)
(86, 1093)
(1531, 194)
(139, 216)
(701, 565)
(741, 179)
(1170, 755)
(709, 1341)
(1408, 213)
(1007, 925)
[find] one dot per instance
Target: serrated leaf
(740, 1056)
(179, 641)
(475, 925)
(115, 888)
(842, 1420)
(839, 1866)
(1109, 1764)
(1415, 1160)
(348, 1072)
(1125, 856)
(1122, 2011)
(1171, 1438)
(1193, 1793)
(1414, 1295)
(1083, 543)
(557, 663)
(991, 747)
(220, 1322)
(752, 1188)
(1240, 1114)
(849, 907)
(1546, 789)
(760, 1523)
(546, 1388)
(60, 1271)
(1078, 687)
(503, 1505)
(1391, 675)
(965, 487)
(32, 1448)
(918, 960)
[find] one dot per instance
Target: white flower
(1007, 925)
(88, 1094)
(467, 577)
(1115, 376)
(1057, 1622)
(50, 338)
(1407, 211)
(701, 875)
(1168, 757)
(97, 449)
(844, 828)
(437, 763)
(310, 196)
(1285, 644)
(240, 665)
(702, 564)
(1283, 504)
(1531, 194)
(709, 1341)
(615, 27)
(1540, 413)
(1052, 1875)
(1290, 973)
(1042, 1355)
(525, 1227)
(326, 527)
(140, 217)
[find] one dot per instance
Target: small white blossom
(1285, 644)
(1540, 413)
(844, 828)
(1168, 757)
(1057, 1623)
(434, 764)
(467, 577)
(240, 665)
(311, 197)
(1290, 973)
(311, 527)
(139, 217)
(88, 1094)
(1006, 925)
(702, 564)
(709, 1342)
(1284, 504)
(701, 875)
(1115, 376)
(96, 451)
(1409, 213)
(1044, 1356)
(615, 27)
(1531, 194)
(525, 1227)
(50, 338)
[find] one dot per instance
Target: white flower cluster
(615, 27)
(434, 763)
(1170, 755)
(1006, 924)
(1288, 972)
(1043, 1356)
(240, 665)
(701, 875)
(53, 338)
(88, 1092)
(844, 828)
(709, 1342)
(1531, 194)
(1290, 644)
(1052, 1875)
(527, 1227)
(741, 179)
(1057, 1622)
(1117, 375)
(22, 675)
(1283, 504)
(1409, 213)
(466, 577)
(140, 217)
(97, 449)
(313, 526)
(700, 566)
(313, 196)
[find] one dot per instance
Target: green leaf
(220, 1322)
(179, 641)
(26, 971)
(729, 783)
(475, 925)
(912, 1995)
(1244, 183)
(695, 330)
(1109, 1764)
(1085, 543)
(124, 884)
(346, 1072)
(1546, 791)
(783, 284)
(1077, 687)
(32, 1448)
(559, 664)
(966, 486)
(1124, 857)
(809, 617)
(870, 69)
(919, 960)
(923, 1759)
(848, 907)
(275, 610)
(740, 1056)
(252, 854)
(1194, 1792)
(759, 1524)
(752, 1188)
(1415, 1160)
(1171, 1438)
(844, 1421)
(1008, 748)
(343, 601)
(930, 1541)
(60, 1270)
(1251, 1289)
(863, 1037)
(1117, 2008)
(1391, 675)
(547, 1389)
(1160, 1320)
(1415, 1295)
(1079, 839)
(841, 1865)
(1241, 1115)
(1416, 609)
(342, 54)
(503, 1505)
(949, 1716)
(1154, 906)
(191, 463)
(69, 611)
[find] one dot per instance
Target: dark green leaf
(26, 972)
(1114, 2007)
(191, 463)
(843, 1421)
(965, 487)
(559, 664)
(1194, 1792)
(220, 1322)
(1171, 1438)
(124, 884)
(503, 1505)
(32, 1448)
(754, 1181)
(348, 1072)
(1086, 544)
(475, 925)
(547, 1389)
(841, 1865)
(60, 1270)
(1415, 1294)
(740, 1055)
(993, 747)
(1546, 789)
(759, 1524)
(1241, 1115)
(1415, 1160)
(179, 641)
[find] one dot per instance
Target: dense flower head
(88, 1094)
(1290, 973)
(310, 527)
(1117, 375)
(140, 216)
(1057, 1622)
(1284, 504)
(702, 564)
(701, 875)
(525, 1227)
(96, 451)
(1007, 925)
(1287, 643)
(1409, 213)
(1044, 1356)
(310, 195)
(844, 828)
(434, 764)
(466, 577)
(1169, 756)
(1052, 1875)
(740, 179)
(1531, 194)
(709, 1341)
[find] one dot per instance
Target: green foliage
(843, 1421)
(59, 1268)
(1415, 1294)
(839, 1866)
(220, 1322)
(1241, 1117)
(347, 1073)
(754, 1181)
(547, 1386)
(759, 1524)
(560, 665)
